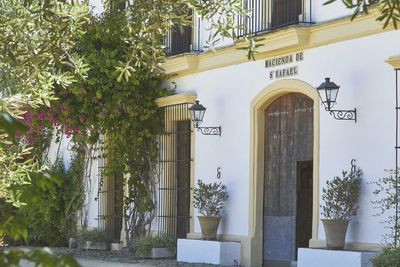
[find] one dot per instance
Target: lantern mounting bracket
(328, 92)
(209, 130)
(341, 114)
(197, 112)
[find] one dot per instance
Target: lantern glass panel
(322, 95)
(197, 115)
(334, 93)
(201, 114)
(192, 114)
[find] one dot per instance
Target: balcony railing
(178, 42)
(267, 15)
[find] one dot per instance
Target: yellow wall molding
(180, 64)
(318, 243)
(176, 99)
(257, 144)
(287, 38)
(279, 42)
(394, 61)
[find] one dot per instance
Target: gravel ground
(122, 256)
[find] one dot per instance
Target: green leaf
(329, 2)
(11, 125)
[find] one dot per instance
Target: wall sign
(281, 61)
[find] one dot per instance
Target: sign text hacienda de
(284, 60)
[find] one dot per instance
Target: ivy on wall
(120, 111)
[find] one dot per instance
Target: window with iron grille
(110, 203)
(174, 162)
(266, 15)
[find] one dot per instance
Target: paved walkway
(98, 263)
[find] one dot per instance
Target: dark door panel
(288, 141)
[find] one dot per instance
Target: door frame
(257, 144)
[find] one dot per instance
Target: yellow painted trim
(258, 105)
(394, 61)
(318, 243)
(283, 41)
(176, 99)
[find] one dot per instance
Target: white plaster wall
(321, 13)
(91, 206)
(367, 83)
(61, 148)
(89, 212)
(96, 6)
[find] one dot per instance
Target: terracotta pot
(335, 233)
(209, 226)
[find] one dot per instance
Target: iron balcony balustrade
(179, 42)
(265, 16)
(268, 15)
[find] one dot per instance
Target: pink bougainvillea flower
(41, 116)
(28, 117)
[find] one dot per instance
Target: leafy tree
(115, 102)
(389, 10)
(36, 41)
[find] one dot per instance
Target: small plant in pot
(209, 199)
(340, 197)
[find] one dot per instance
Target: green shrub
(143, 245)
(340, 196)
(209, 198)
(390, 257)
(52, 224)
(92, 234)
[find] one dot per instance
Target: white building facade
(275, 134)
(248, 98)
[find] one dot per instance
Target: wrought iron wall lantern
(197, 112)
(328, 92)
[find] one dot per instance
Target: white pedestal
(117, 246)
(212, 252)
(308, 257)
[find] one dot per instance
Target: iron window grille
(175, 163)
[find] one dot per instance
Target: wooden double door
(288, 178)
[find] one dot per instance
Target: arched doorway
(254, 252)
(288, 178)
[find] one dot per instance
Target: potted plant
(209, 199)
(340, 197)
